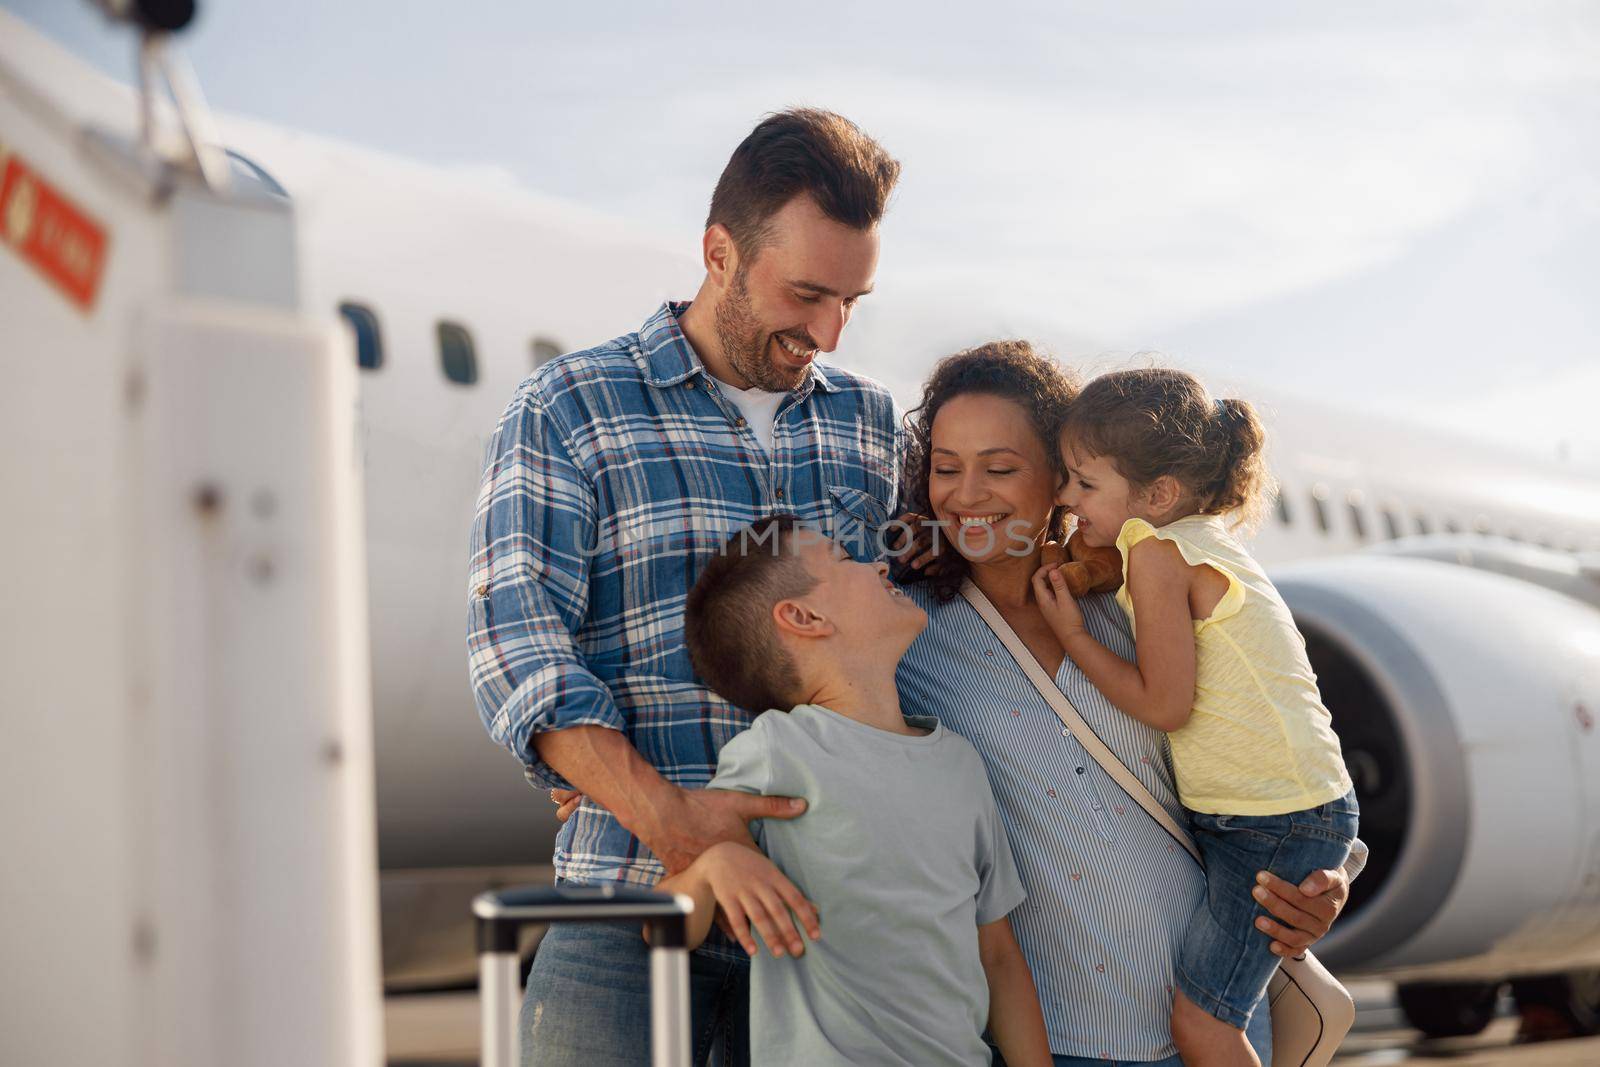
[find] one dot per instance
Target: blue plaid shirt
(613, 477)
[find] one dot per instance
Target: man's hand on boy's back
(676, 824)
(715, 814)
(702, 818)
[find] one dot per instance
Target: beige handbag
(1311, 1011)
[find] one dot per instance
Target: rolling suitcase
(502, 913)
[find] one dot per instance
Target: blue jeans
(588, 1001)
(1258, 1033)
(1225, 963)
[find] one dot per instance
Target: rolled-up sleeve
(533, 537)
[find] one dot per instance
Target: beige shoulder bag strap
(1311, 1011)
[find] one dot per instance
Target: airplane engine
(1466, 703)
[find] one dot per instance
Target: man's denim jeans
(588, 1002)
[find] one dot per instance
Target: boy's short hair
(728, 626)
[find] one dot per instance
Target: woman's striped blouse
(1109, 892)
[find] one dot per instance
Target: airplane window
(457, 354)
(1391, 522)
(1319, 506)
(1283, 506)
(544, 350)
(369, 339)
(1480, 526)
(1424, 527)
(1452, 526)
(1358, 521)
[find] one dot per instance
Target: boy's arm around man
(751, 891)
(749, 887)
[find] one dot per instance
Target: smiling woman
(974, 490)
(1110, 895)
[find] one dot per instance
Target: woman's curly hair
(1014, 371)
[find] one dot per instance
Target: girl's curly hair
(1014, 371)
(1156, 421)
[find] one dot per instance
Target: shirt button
(689, 384)
(1077, 877)
(739, 422)
(1015, 712)
(989, 652)
(1117, 809)
(1065, 732)
(1100, 967)
(778, 492)
(1080, 770)
(482, 590)
(1050, 792)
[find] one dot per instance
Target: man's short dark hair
(806, 150)
(728, 626)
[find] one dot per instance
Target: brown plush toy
(1091, 570)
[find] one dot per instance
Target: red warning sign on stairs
(48, 231)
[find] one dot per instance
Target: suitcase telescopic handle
(501, 914)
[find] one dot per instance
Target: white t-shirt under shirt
(759, 408)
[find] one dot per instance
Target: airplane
(1449, 590)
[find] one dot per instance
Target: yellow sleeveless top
(1259, 741)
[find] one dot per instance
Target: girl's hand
(1056, 604)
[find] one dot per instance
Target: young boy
(901, 846)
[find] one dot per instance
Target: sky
(1388, 206)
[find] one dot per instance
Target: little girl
(1155, 466)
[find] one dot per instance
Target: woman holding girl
(1159, 469)
(1110, 895)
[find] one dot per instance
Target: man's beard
(744, 341)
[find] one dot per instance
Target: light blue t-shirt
(903, 852)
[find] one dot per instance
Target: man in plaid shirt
(612, 478)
